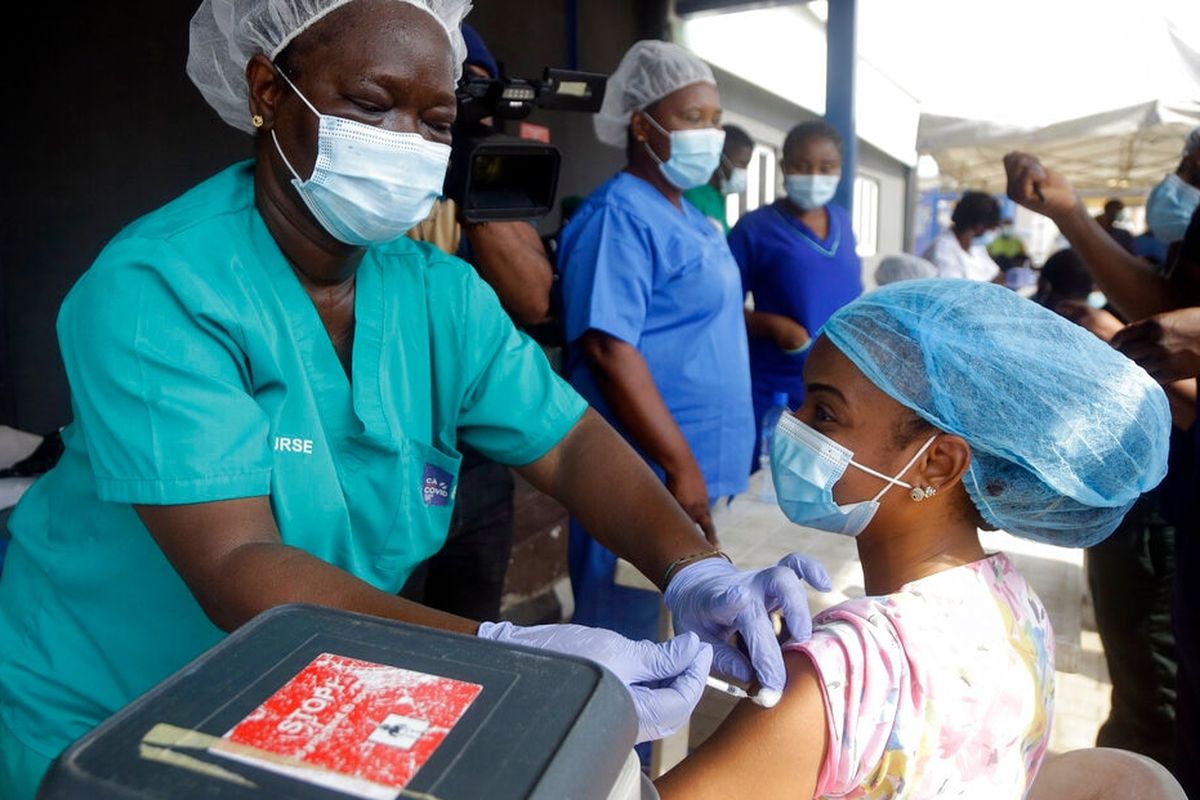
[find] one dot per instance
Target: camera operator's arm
(511, 258)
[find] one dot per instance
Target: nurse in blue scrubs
(653, 311)
(798, 263)
(270, 388)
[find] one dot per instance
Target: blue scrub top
(662, 279)
(200, 371)
(792, 272)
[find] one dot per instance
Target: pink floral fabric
(942, 689)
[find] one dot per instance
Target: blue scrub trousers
(599, 601)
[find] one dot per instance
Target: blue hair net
(1065, 432)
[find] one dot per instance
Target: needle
(765, 697)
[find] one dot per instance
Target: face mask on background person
(806, 464)
(1169, 208)
(368, 185)
(695, 155)
(810, 191)
(735, 183)
(984, 239)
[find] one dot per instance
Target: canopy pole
(841, 34)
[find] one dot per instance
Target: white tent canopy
(1120, 152)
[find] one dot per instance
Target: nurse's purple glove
(665, 680)
(715, 599)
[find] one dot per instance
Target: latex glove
(665, 680)
(1166, 345)
(714, 599)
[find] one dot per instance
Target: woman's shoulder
(622, 197)
(189, 244)
(228, 193)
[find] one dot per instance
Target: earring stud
(920, 494)
(256, 121)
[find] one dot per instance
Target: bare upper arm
(759, 752)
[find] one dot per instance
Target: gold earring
(256, 121)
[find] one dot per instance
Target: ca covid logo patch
(436, 486)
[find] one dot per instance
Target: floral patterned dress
(942, 689)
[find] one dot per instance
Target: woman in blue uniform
(653, 310)
(271, 385)
(798, 262)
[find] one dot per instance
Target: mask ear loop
(895, 481)
(299, 93)
(275, 138)
(661, 130)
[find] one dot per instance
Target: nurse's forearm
(229, 555)
(262, 576)
(784, 331)
(616, 497)
(629, 389)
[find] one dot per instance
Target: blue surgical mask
(695, 155)
(984, 239)
(810, 191)
(369, 185)
(735, 183)
(1170, 207)
(806, 464)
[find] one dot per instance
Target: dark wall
(109, 127)
(529, 35)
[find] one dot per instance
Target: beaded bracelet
(684, 560)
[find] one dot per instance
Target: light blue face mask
(810, 191)
(1170, 207)
(695, 155)
(984, 239)
(736, 182)
(368, 185)
(806, 464)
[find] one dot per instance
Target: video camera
(495, 176)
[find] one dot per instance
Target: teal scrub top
(200, 371)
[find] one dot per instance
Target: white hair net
(1065, 432)
(1192, 143)
(225, 34)
(903, 267)
(648, 72)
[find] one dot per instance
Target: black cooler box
(315, 703)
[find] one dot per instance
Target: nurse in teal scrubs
(270, 387)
